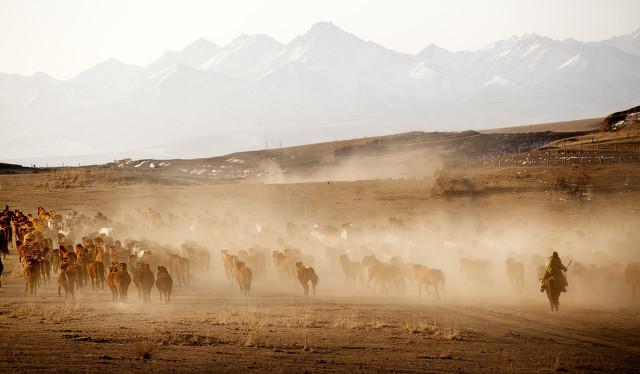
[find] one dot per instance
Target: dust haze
(382, 163)
(598, 241)
(301, 212)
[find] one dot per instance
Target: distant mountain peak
(629, 43)
(108, 67)
(111, 62)
(193, 55)
(529, 38)
(202, 45)
(324, 26)
(328, 31)
(432, 50)
(254, 38)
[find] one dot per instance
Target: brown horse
(553, 288)
(45, 270)
(31, 275)
(111, 281)
(96, 273)
(353, 270)
(164, 282)
(307, 275)
(147, 280)
(122, 280)
(243, 276)
(67, 281)
(429, 278)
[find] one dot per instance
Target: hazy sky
(63, 37)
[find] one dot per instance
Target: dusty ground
(206, 330)
(208, 327)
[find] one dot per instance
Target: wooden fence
(547, 159)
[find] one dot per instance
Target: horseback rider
(555, 268)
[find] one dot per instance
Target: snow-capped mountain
(629, 43)
(325, 84)
(194, 55)
(245, 57)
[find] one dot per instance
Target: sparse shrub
(431, 330)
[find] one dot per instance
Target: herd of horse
(82, 251)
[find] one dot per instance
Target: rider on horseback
(555, 268)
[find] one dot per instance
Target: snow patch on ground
(235, 161)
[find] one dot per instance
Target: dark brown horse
(553, 288)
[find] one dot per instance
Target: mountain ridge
(325, 84)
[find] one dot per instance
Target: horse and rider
(554, 281)
(555, 268)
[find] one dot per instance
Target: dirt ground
(209, 327)
(206, 330)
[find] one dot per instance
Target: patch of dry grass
(87, 177)
(431, 329)
(184, 339)
(355, 321)
(57, 313)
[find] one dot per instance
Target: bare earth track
(203, 331)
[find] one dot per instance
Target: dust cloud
(469, 239)
(384, 163)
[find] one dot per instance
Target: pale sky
(64, 37)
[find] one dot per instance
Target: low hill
(589, 124)
(406, 155)
(15, 169)
(617, 133)
(414, 153)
